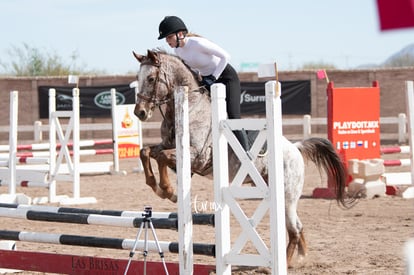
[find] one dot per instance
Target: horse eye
(151, 79)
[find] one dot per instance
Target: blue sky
(293, 32)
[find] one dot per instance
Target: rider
(208, 60)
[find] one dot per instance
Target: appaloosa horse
(160, 73)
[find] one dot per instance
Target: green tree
(30, 61)
(318, 65)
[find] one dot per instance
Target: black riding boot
(241, 136)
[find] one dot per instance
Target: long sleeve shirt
(203, 56)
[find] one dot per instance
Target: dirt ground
(367, 239)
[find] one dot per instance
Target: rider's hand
(208, 80)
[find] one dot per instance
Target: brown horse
(159, 75)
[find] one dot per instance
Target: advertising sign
(127, 129)
(95, 101)
(354, 121)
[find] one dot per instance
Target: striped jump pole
(397, 162)
(23, 159)
(46, 146)
(395, 150)
(85, 152)
(101, 242)
(90, 219)
(26, 183)
(198, 218)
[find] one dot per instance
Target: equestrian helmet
(169, 25)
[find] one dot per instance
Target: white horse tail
(323, 154)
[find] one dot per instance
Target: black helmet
(169, 25)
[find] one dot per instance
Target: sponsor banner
(127, 131)
(353, 121)
(94, 101)
(296, 98)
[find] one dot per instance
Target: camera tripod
(145, 224)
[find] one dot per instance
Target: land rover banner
(296, 98)
(94, 101)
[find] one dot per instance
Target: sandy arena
(367, 239)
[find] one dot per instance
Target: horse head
(158, 75)
(153, 85)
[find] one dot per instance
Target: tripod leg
(146, 247)
(134, 247)
(159, 248)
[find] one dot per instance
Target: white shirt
(203, 56)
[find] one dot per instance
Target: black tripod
(146, 221)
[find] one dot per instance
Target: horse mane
(162, 51)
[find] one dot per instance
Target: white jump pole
(114, 134)
(276, 177)
(220, 153)
(12, 196)
(76, 141)
(14, 103)
(52, 149)
(410, 113)
(185, 222)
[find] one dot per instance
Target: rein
(154, 98)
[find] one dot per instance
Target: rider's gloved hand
(208, 80)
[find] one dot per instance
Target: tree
(30, 61)
(318, 65)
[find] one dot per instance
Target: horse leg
(294, 236)
(302, 246)
(146, 164)
(166, 159)
(294, 179)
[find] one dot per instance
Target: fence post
(37, 128)
(402, 128)
(307, 126)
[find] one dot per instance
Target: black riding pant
(231, 80)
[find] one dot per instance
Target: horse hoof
(173, 198)
(159, 192)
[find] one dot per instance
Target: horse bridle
(154, 98)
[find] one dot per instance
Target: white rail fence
(306, 122)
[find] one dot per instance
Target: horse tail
(323, 154)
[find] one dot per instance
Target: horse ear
(154, 57)
(139, 57)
